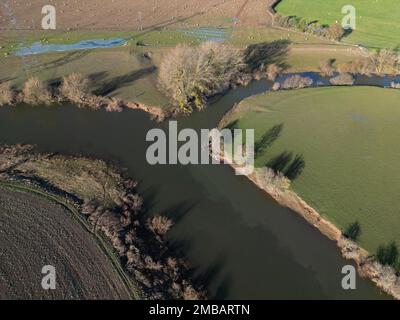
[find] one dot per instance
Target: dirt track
(132, 14)
(35, 232)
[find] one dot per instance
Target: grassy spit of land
(107, 205)
(339, 147)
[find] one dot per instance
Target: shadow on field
(67, 58)
(347, 32)
(291, 167)
(265, 53)
(267, 139)
(109, 86)
(279, 163)
(288, 164)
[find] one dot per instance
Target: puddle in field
(38, 47)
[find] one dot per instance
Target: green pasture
(377, 21)
(348, 138)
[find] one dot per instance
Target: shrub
(326, 67)
(93, 102)
(362, 66)
(159, 225)
(268, 179)
(115, 105)
(387, 254)
(189, 75)
(342, 79)
(244, 80)
(297, 82)
(6, 93)
(380, 62)
(273, 71)
(335, 32)
(190, 293)
(35, 92)
(75, 87)
(281, 21)
(385, 60)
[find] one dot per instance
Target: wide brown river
(242, 244)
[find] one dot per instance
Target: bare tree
(115, 105)
(326, 67)
(7, 94)
(385, 60)
(190, 74)
(342, 79)
(273, 71)
(75, 87)
(335, 31)
(35, 92)
(159, 225)
(297, 82)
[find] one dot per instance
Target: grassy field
(377, 23)
(348, 138)
(114, 72)
(125, 73)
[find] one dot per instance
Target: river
(241, 243)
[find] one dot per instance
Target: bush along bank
(74, 88)
(111, 206)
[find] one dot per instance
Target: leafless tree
(335, 31)
(75, 87)
(273, 71)
(326, 67)
(36, 92)
(190, 74)
(160, 225)
(297, 82)
(7, 94)
(342, 79)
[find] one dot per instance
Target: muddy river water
(242, 244)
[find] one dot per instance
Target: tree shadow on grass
(291, 167)
(58, 62)
(265, 53)
(119, 82)
(296, 168)
(279, 163)
(267, 140)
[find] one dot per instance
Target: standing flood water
(242, 244)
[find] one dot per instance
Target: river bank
(109, 206)
(12, 97)
(384, 277)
